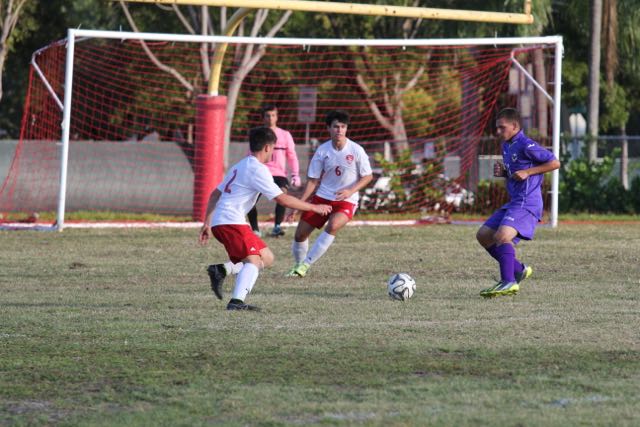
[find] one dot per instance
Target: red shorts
(318, 220)
(239, 240)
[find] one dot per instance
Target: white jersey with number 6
(239, 191)
(339, 169)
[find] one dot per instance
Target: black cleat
(217, 273)
(242, 306)
(277, 231)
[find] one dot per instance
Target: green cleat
(298, 270)
(499, 289)
(524, 274)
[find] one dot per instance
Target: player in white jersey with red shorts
(226, 213)
(339, 169)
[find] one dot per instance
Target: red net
(424, 114)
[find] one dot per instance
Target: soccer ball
(401, 286)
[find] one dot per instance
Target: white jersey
(339, 169)
(240, 189)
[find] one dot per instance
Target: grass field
(119, 328)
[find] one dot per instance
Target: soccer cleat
(217, 273)
(277, 231)
(242, 306)
(524, 274)
(257, 233)
(501, 288)
(298, 270)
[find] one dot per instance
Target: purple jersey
(520, 153)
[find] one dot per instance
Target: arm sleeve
(292, 157)
(263, 182)
(538, 153)
(365, 165)
(315, 167)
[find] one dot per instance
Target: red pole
(211, 112)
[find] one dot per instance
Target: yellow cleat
(499, 289)
(524, 274)
(298, 270)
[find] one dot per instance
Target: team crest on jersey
(514, 157)
(349, 158)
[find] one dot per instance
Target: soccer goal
(110, 123)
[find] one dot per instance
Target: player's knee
(502, 238)
(267, 258)
(484, 236)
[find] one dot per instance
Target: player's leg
(506, 251)
(248, 254)
(218, 272)
(485, 237)
(283, 183)
(326, 238)
(247, 277)
(300, 247)
(252, 216)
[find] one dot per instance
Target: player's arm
(297, 204)
(345, 193)
(205, 230)
(499, 171)
(292, 159)
(549, 166)
(309, 190)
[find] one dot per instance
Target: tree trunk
(542, 107)
(594, 78)
(624, 159)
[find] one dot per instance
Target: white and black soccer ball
(401, 286)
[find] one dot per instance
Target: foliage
(615, 113)
(590, 187)
(416, 187)
(490, 193)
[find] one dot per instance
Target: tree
(202, 21)
(593, 111)
(10, 12)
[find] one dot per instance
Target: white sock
(232, 268)
(299, 250)
(319, 247)
(245, 280)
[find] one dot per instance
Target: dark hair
(510, 114)
(259, 137)
(268, 107)
(340, 116)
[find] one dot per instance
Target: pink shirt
(283, 152)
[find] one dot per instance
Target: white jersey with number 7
(339, 169)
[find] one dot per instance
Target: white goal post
(76, 36)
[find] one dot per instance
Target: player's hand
(205, 234)
(343, 194)
(323, 210)
(295, 181)
(520, 175)
(498, 169)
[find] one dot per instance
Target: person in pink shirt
(284, 153)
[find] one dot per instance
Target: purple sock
(517, 265)
(506, 255)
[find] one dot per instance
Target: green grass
(119, 328)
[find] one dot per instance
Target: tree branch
(151, 55)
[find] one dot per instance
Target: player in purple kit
(523, 166)
(225, 218)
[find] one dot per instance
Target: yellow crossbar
(363, 9)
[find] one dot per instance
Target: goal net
(424, 110)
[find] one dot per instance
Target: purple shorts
(521, 219)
